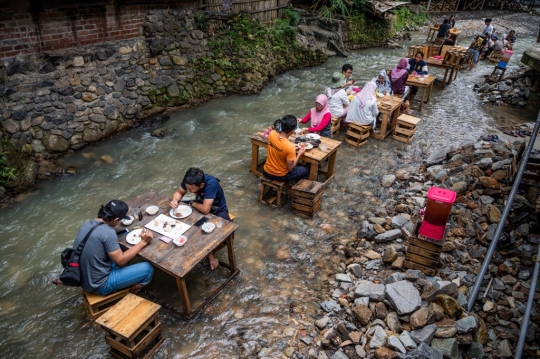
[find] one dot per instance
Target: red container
(439, 204)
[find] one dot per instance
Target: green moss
(367, 31)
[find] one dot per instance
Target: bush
(405, 18)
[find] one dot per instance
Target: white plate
(183, 209)
(313, 136)
(133, 237)
(309, 146)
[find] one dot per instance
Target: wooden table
(179, 261)
(426, 84)
(438, 63)
(314, 156)
(389, 108)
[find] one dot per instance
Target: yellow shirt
(279, 151)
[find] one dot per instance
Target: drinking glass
(219, 223)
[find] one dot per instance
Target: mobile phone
(122, 232)
(201, 221)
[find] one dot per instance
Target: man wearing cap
(103, 264)
(338, 101)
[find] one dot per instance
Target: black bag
(71, 275)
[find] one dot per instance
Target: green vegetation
(405, 18)
(328, 8)
(367, 31)
(7, 173)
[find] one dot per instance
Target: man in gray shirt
(102, 262)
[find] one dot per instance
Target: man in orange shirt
(281, 163)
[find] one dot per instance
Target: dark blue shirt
(414, 66)
(511, 39)
(443, 29)
(211, 190)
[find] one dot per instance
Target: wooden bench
(336, 124)
(96, 304)
(357, 135)
(405, 128)
(307, 197)
(132, 329)
(272, 191)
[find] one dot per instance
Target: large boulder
(55, 143)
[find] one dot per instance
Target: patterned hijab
(401, 68)
(385, 84)
(317, 116)
(367, 93)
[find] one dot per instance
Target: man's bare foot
(214, 262)
(135, 288)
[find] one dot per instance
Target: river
(284, 258)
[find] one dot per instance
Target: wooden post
(457, 5)
(428, 3)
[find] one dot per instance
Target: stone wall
(62, 102)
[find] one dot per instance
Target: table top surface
(422, 82)
(314, 154)
(388, 103)
(178, 261)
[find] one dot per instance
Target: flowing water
(282, 256)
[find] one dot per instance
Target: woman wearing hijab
(398, 78)
(320, 117)
(382, 82)
(363, 110)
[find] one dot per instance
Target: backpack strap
(81, 245)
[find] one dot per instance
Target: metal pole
(525, 323)
(506, 211)
(428, 3)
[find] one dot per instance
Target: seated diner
(320, 117)
(398, 80)
(383, 83)
(282, 161)
(417, 66)
(363, 110)
(338, 102)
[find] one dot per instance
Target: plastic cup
(323, 148)
(219, 223)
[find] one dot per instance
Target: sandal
(493, 138)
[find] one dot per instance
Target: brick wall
(56, 29)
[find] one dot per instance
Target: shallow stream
(282, 256)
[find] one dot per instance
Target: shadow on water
(283, 258)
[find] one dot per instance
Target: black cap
(118, 209)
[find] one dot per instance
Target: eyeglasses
(318, 105)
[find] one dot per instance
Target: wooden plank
(399, 137)
(424, 269)
(424, 253)
(96, 299)
(306, 187)
(408, 119)
(307, 209)
(421, 260)
(404, 131)
(434, 247)
(356, 143)
(306, 201)
(147, 339)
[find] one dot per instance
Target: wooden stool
(437, 45)
(423, 254)
(357, 135)
(307, 197)
(266, 196)
(132, 328)
(405, 128)
(336, 124)
(495, 56)
(433, 30)
(96, 304)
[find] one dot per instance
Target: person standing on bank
(103, 264)
(210, 198)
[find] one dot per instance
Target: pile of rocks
(509, 91)
(375, 309)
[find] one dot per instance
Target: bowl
(208, 227)
(323, 148)
(180, 241)
(127, 222)
(151, 210)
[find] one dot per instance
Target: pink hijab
(367, 93)
(317, 116)
(400, 69)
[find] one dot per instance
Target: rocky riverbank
(374, 307)
(514, 90)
